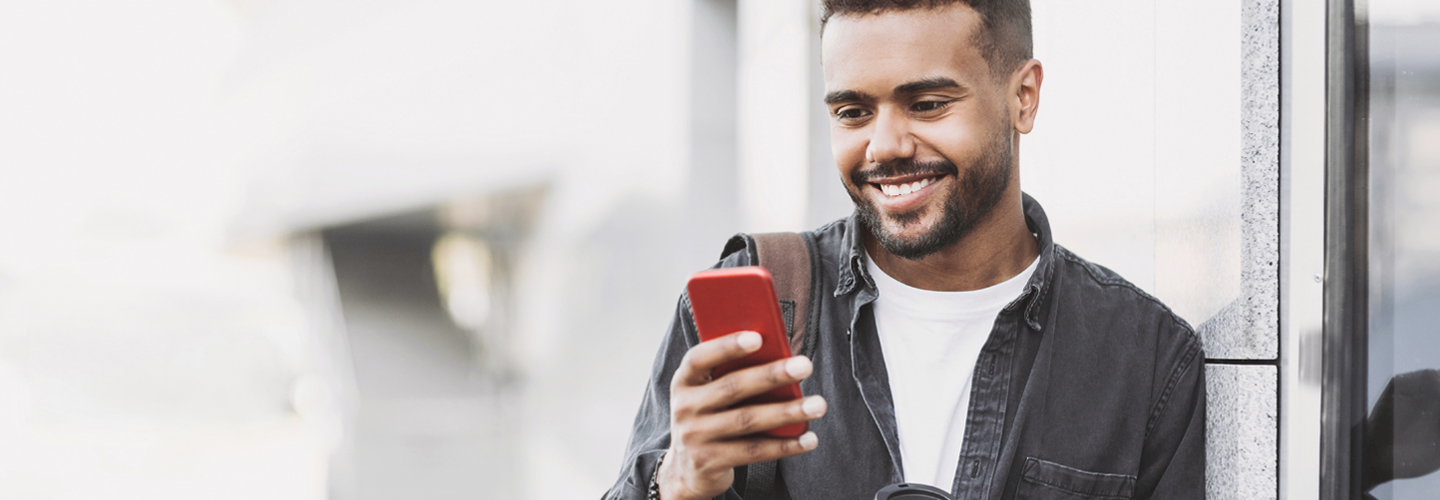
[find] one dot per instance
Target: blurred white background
(302, 249)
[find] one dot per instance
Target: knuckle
(682, 432)
(755, 449)
(687, 361)
(689, 435)
(702, 459)
(681, 404)
(782, 447)
(777, 373)
(730, 387)
(677, 381)
(744, 420)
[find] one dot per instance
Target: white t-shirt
(931, 341)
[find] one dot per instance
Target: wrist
(663, 484)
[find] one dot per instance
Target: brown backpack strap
(787, 257)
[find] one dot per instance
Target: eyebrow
(932, 83)
(846, 96)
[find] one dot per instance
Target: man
(958, 346)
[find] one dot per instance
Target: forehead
(890, 48)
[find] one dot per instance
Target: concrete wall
(1244, 432)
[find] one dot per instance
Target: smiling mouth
(895, 189)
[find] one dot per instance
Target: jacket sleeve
(650, 435)
(1172, 465)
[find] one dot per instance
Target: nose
(890, 139)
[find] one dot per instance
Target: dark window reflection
(1402, 432)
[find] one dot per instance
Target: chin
(911, 232)
(913, 239)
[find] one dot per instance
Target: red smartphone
(736, 299)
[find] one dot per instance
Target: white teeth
(904, 189)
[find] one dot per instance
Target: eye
(929, 106)
(851, 114)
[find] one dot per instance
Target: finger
(751, 419)
(738, 385)
(746, 451)
(695, 367)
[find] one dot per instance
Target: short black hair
(1004, 38)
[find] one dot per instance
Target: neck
(998, 248)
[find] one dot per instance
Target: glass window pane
(1402, 438)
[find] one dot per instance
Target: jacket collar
(854, 274)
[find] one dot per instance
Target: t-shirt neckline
(930, 303)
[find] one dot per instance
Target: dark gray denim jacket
(1087, 388)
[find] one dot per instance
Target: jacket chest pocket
(1043, 480)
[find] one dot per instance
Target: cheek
(848, 148)
(956, 140)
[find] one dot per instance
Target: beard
(969, 200)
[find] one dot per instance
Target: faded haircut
(1004, 37)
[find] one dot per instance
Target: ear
(1025, 95)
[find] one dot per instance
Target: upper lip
(906, 179)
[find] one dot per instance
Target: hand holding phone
(725, 301)
(735, 398)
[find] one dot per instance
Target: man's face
(921, 132)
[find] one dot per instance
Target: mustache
(903, 166)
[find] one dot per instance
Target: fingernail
(813, 406)
(748, 341)
(808, 440)
(798, 367)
